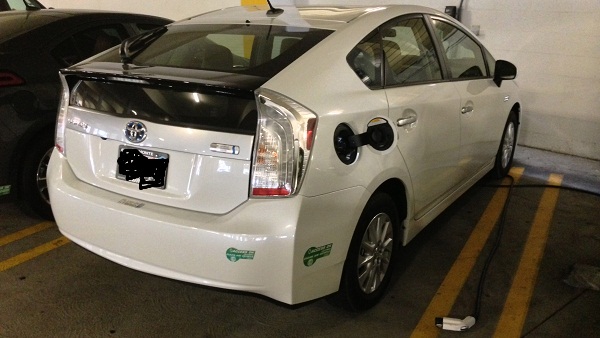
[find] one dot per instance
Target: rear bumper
(264, 246)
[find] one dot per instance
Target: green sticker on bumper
(235, 255)
(4, 190)
(313, 253)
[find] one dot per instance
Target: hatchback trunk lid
(170, 116)
(161, 138)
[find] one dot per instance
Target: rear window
(246, 49)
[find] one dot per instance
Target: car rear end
(28, 90)
(170, 159)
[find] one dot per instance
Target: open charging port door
(379, 135)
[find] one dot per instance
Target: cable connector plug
(455, 324)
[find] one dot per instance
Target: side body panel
(430, 145)
(484, 110)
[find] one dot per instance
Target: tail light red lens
(9, 79)
(310, 132)
(61, 118)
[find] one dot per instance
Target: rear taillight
(284, 139)
(9, 79)
(61, 118)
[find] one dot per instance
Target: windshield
(246, 49)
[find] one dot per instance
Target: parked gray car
(34, 45)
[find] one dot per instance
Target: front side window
(491, 63)
(409, 53)
(463, 55)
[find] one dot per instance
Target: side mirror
(504, 71)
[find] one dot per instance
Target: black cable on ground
(488, 260)
(457, 324)
(501, 224)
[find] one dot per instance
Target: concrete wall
(554, 43)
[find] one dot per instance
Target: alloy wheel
(375, 253)
(41, 174)
(508, 144)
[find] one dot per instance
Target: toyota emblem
(135, 131)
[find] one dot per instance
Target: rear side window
(409, 53)
(366, 59)
(463, 55)
(248, 49)
(17, 5)
(400, 52)
(12, 5)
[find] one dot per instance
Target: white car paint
(203, 228)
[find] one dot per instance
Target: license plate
(147, 168)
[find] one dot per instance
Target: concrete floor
(69, 292)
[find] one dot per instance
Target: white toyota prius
(287, 152)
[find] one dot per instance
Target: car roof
(16, 23)
(326, 17)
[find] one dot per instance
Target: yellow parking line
(515, 309)
(253, 2)
(26, 232)
(33, 253)
(444, 298)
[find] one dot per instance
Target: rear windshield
(247, 49)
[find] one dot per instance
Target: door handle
(467, 109)
(406, 121)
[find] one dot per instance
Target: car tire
(33, 190)
(506, 151)
(372, 255)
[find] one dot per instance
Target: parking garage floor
(50, 287)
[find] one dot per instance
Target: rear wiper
(131, 47)
(272, 10)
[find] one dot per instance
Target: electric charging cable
(457, 324)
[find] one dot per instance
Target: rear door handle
(406, 121)
(467, 109)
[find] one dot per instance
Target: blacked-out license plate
(145, 167)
